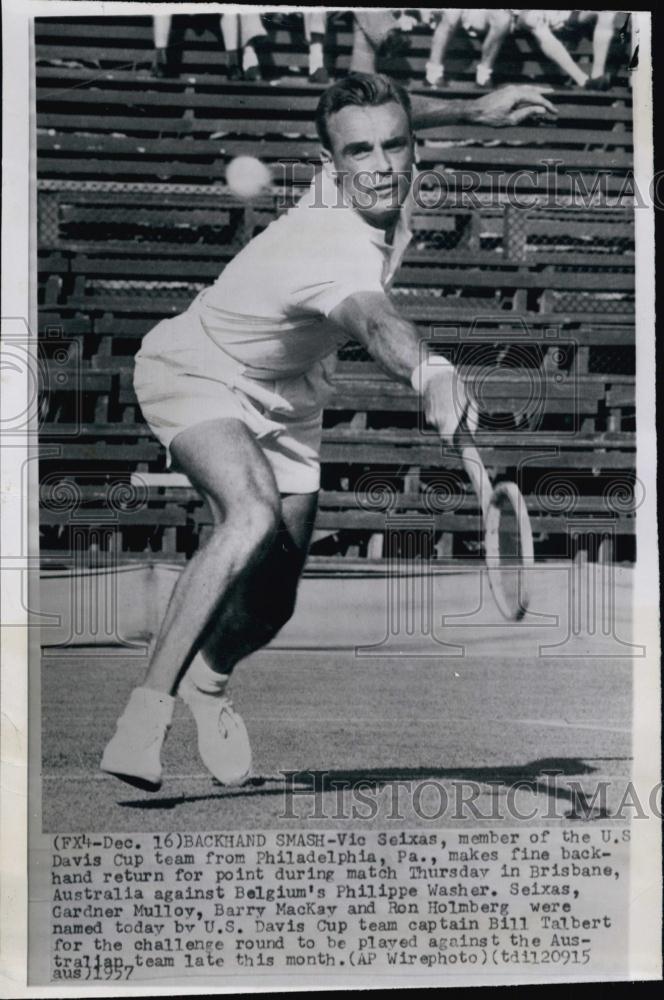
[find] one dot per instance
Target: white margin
(645, 919)
(645, 910)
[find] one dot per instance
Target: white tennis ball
(247, 177)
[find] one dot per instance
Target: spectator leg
(376, 25)
(554, 50)
(363, 58)
(240, 32)
(633, 40)
(498, 30)
(230, 30)
(314, 23)
(250, 29)
(604, 29)
(442, 37)
(314, 32)
(161, 29)
(370, 28)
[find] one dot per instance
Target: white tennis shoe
(223, 740)
(133, 754)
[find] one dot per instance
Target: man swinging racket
(235, 388)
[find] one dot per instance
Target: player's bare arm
(505, 106)
(396, 345)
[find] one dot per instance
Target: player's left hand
(512, 105)
(444, 400)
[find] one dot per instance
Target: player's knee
(256, 519)
(251, 520)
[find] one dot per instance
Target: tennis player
(235, 388)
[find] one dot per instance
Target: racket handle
(479, 477)
(470, 457)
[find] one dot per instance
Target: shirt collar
(323, 191)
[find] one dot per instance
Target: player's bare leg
(264, 600)
(250, 616)
(370, 29)
(223, 461)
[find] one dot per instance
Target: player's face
(372, 154)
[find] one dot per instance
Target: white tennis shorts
(182, 378)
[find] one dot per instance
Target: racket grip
(474, 468)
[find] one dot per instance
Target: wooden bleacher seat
(148, 514)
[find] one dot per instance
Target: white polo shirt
(269, 308)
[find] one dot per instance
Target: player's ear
(328, 162)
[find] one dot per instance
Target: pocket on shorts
(306, 394)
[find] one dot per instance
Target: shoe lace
(225, 709)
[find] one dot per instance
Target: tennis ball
(247, 177)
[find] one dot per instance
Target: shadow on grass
(543, 777)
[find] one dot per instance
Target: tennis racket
(508, 536)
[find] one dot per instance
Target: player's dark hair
(361, 90)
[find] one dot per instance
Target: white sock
(483, 75)
(249, 57)
(434, 72)
(315, 56)
(204, 677)
(146, 703)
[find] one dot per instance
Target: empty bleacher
(521, 270)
